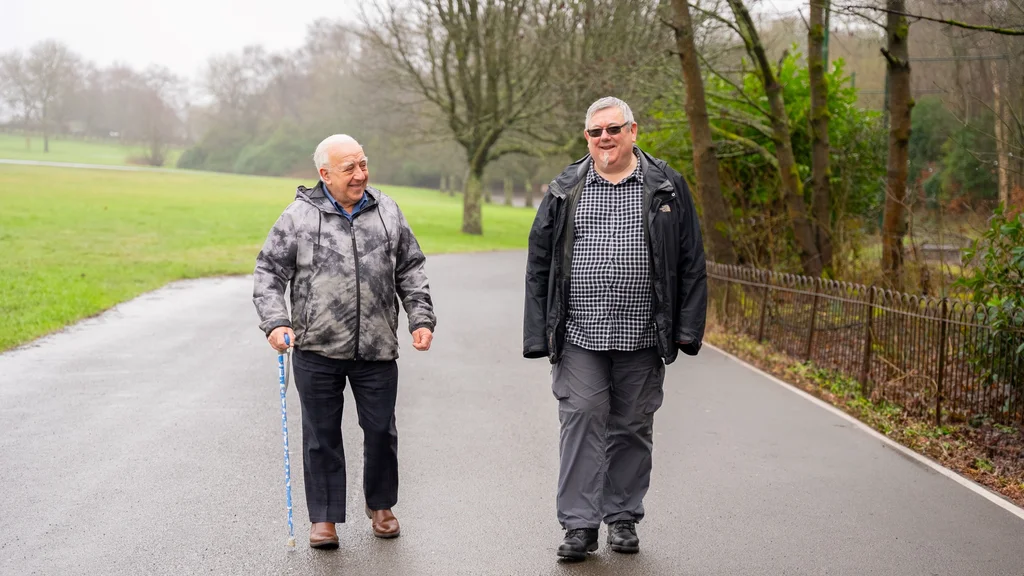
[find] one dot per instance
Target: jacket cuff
(535, 349)
(418, 325)
(271, 326)
(692, 344)
(691, 348)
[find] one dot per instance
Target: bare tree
(617, 48)
(484, 65)
(705, 159)
(792, 187)
(52, 72)
(38, 84)
(161, 96)
(16, 90)
(894, 226)
(820, 171)
(237, 83)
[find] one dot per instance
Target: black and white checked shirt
(610, 303)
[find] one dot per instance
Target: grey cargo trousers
(606, 406)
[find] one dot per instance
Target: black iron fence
(940, 358)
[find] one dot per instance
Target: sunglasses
(612, 130)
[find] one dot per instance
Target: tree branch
(736, 86)
(718, 17)
(1018, 31)
(853, 12)
(747, 143)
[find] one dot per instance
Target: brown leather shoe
(384, 523)
(323, 535)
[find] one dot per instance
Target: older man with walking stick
(349, 258)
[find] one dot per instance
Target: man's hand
(421, 339)
(276, 338)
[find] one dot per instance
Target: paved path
(147, 441)
(115, 167)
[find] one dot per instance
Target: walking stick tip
(291, 542)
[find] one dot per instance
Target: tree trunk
(1002, 153)
(820, 170)
(792, 187)
(894, 224)
(46, 133)
(529, 194)
(471, 217)
(509, 192)
(705, 160)
(1019, 139)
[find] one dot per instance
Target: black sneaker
(577, 543)
(622, 537)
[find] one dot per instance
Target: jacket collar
(317, 196)
(653, 171)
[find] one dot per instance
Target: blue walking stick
(283, 380)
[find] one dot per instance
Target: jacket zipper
(355, 255)
(654, 202)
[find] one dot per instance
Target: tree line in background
(51, 90)
(806, 136)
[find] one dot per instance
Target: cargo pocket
(559, 387)
(655, 387)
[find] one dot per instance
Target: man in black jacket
(615, 287)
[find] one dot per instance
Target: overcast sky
(181, 34)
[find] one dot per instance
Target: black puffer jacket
(678, 275)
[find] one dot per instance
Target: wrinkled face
(346, 175)
(612, 152)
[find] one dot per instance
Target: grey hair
(320, 155)
(604, 104)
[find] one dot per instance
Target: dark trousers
(606, 406)
(320, 382)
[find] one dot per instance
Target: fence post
(943, 332)
(814, 318)
(764, 308)
(725, 303)
(865, 369)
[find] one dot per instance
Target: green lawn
(76, 242)
(12, 147)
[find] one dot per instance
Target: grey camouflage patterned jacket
(346, 278)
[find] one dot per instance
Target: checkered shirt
(610, 303)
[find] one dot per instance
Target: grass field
(76, 242)
(12, 147)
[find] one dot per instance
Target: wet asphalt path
(147, 441)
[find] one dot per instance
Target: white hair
(320, 155)
(604, 104)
